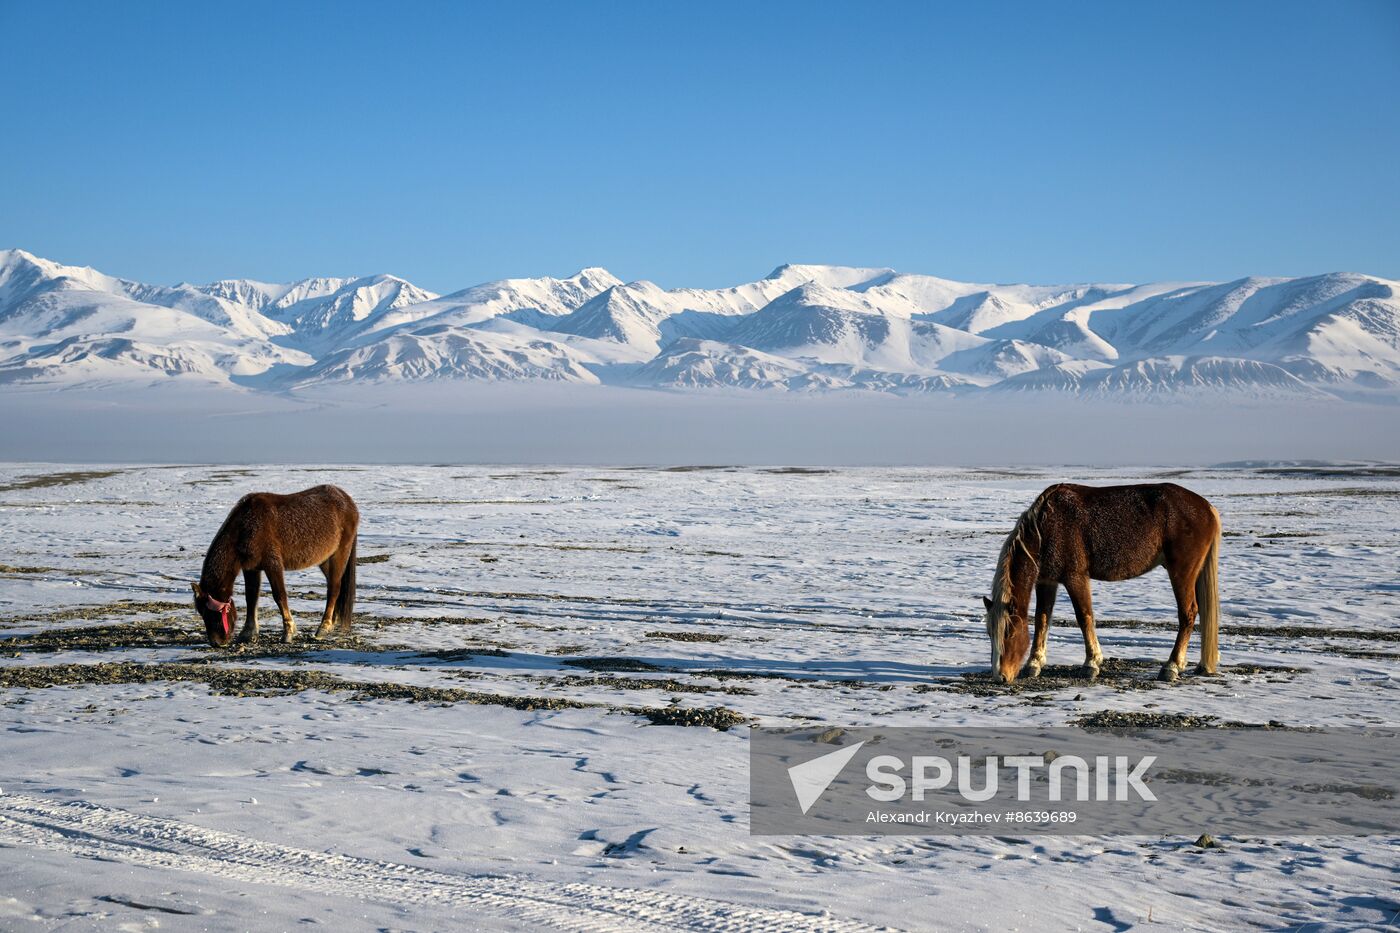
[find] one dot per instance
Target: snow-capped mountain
(535, 302)
(1169, 375)
(626, 314)
(322, 314)
(802, 328)
(995, 360)
(75, 326)
(697, 364)
(446, 352)
(840, 326)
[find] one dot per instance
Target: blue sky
(703, 144)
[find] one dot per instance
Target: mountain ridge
(802, 327)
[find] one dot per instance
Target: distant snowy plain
(845, 596)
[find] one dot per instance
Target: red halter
(223, 608)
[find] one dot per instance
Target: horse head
(219, 616)
(1008, 627)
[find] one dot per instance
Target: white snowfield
(800, 329)
(88, 831)
(483, 753)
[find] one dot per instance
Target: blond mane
(1001, 579)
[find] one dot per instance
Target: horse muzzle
(1001, 676)
(218, 629)
(219, 632)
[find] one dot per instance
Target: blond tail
(1208, 602)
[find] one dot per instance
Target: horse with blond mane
(1073, 534)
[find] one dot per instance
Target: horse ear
(195, 587)
(987, 602)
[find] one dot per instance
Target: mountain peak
(11, 258)
(15, 254)
(595, 273)
(817, 295)
(831, 276)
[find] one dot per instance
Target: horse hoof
(1168, 675)
(1203, 671)
(1089, 672)
(1030, 670)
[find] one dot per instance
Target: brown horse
(268, 533)
(1073, 534)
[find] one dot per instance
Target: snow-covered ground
(559, 612)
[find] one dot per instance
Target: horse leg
(252, 582)
(1184, 587)
(1044, 607)
(1078, 589)
(333, 568)
(273, 570)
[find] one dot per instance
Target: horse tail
(1208, 602)
(345, 600)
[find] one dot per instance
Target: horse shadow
(866, 670)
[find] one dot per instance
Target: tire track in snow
(86, 829)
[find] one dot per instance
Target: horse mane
(1001, 579)
(220, 567)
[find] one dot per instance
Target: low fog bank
(472, 423)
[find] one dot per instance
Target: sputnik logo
(811, 778)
